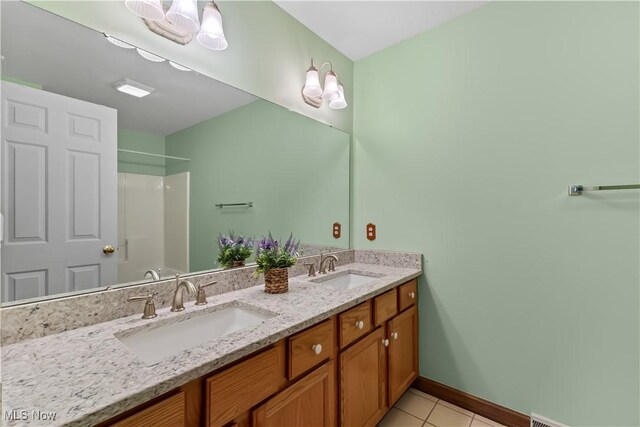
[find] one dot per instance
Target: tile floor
(418, 409)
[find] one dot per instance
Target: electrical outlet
(371, 231)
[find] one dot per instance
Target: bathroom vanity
(346, 370)
(332, 351)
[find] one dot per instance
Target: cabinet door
(403, 352)
(309, 402)
(363, 381)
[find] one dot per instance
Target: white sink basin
(152, 344)
(347, 280)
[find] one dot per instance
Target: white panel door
(59, 174)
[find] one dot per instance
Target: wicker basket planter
(276, 281)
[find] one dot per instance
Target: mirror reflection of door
(59, 176)
(89, 164)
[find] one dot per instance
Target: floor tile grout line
(408, 413)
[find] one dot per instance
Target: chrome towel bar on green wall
(225, 205)
(577, 190)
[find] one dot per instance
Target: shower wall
(152, 225)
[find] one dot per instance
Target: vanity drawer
(354, 323)
(407, 294)
(385, 306)
(237, 389)
(311, 347)
(166, 413)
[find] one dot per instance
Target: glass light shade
(184, 14)
(312, 87)
(149, 56)
(147, 9)
(341, 102)
(330, 87)
(211, 34)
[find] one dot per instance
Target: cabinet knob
(360, 324)
(317, 348)
(395, 335)
(385, 342)
(412, 295)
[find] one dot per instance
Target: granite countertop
(87, 375)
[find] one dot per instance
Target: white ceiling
(72, 60)
(360, 28)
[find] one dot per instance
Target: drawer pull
(395, 335)
(360, 324)
(317, 348)
(412, 295)
(385, 342)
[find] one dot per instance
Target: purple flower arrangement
(271, 254)
(234, 249)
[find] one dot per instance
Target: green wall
(294, 169)
(465, 140)
(268, 54)
(143, 142)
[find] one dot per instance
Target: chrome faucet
(181, 285)
(332, 260)
(154, 275)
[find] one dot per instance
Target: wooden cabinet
(355, 323)
(407, 294)
(402, 333)
(385, 306)
(311, 347)
(236, 390)
(363, 384)
(169, 412)
(309, 402)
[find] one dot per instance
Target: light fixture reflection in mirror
(333, 93)
(181, 22)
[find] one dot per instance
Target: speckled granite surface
(87, 375)
(44, 318)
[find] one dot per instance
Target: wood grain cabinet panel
(403, 352)
(355, 323)
(407, 294)
(311, 347)
(363, 381)
(237, 389)
(385, 306)
(309, 402)
(166, 413)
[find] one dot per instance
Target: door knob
(108, 249)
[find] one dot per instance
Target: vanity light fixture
(333, 92)
(134, 88)
(181, 22)
(119, 42)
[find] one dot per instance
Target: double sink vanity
(337, 349)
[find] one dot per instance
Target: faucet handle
(312, 269)
(332, 265)
(201, 297)
(150, 306)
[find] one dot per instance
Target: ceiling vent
(540, 421)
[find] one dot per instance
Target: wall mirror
(88, 164)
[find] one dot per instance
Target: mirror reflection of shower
(153, 225)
